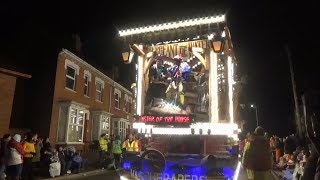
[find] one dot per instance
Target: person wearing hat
(15, 158)
(257, 156)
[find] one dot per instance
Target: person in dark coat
(289, 145)
(45, 154)
(62, 159)
(257, 156)
(4, 153)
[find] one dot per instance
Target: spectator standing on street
(116, 150)
(28, 147)
(77, 162)
(257, 157)
(70, 152)
(130, 145)
(62, 159)
(278, 146)
(45, 152)
(289, 145)
(103, 149)
(4, 153)
(15, 158)
(36, 158)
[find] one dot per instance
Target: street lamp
(217, 43)
(127, 56)
(256, 108)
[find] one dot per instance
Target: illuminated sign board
(173, 49)
(166, 176)
(165, 119)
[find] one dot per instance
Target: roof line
(15, 73)
(111, 81)
(173, 25)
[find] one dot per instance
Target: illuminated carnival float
(186, 97)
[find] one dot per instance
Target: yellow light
(173, 25)
(140, 83)
(125, 56)
(213, 87)
(230, 87)
(215, 128)
(217, 45)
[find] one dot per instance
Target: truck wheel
(153, 161)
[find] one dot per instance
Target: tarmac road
(110, 175)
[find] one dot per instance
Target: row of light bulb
(173, 25)
(177, 40)
(196, 65)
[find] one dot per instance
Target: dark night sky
(259, 32)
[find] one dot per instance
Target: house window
(117, 101)
(71, 122)
(128, 103)
(119, 127)
(104, 126)
(86, 85)
(75, 125)
(71, 78)
(99, 91)
(122, 129)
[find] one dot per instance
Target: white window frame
(78, 108)
(128, 103)
(117, 100)
(87, 86)
(97, 124)
(70, 77)
(74, 66)
(99, 81)
(108, 118)
(87, 74)
(120, 125)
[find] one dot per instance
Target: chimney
(77, 45)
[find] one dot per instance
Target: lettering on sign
(171, 50)
(168, 119)
(165, 176)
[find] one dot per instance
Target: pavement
(94, 174)
(111, 175)
(243, 175)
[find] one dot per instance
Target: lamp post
(256, 109)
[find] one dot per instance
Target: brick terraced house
(87, 103)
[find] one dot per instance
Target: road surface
(113, 175)
(110, 175)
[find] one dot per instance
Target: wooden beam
(15, 73)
